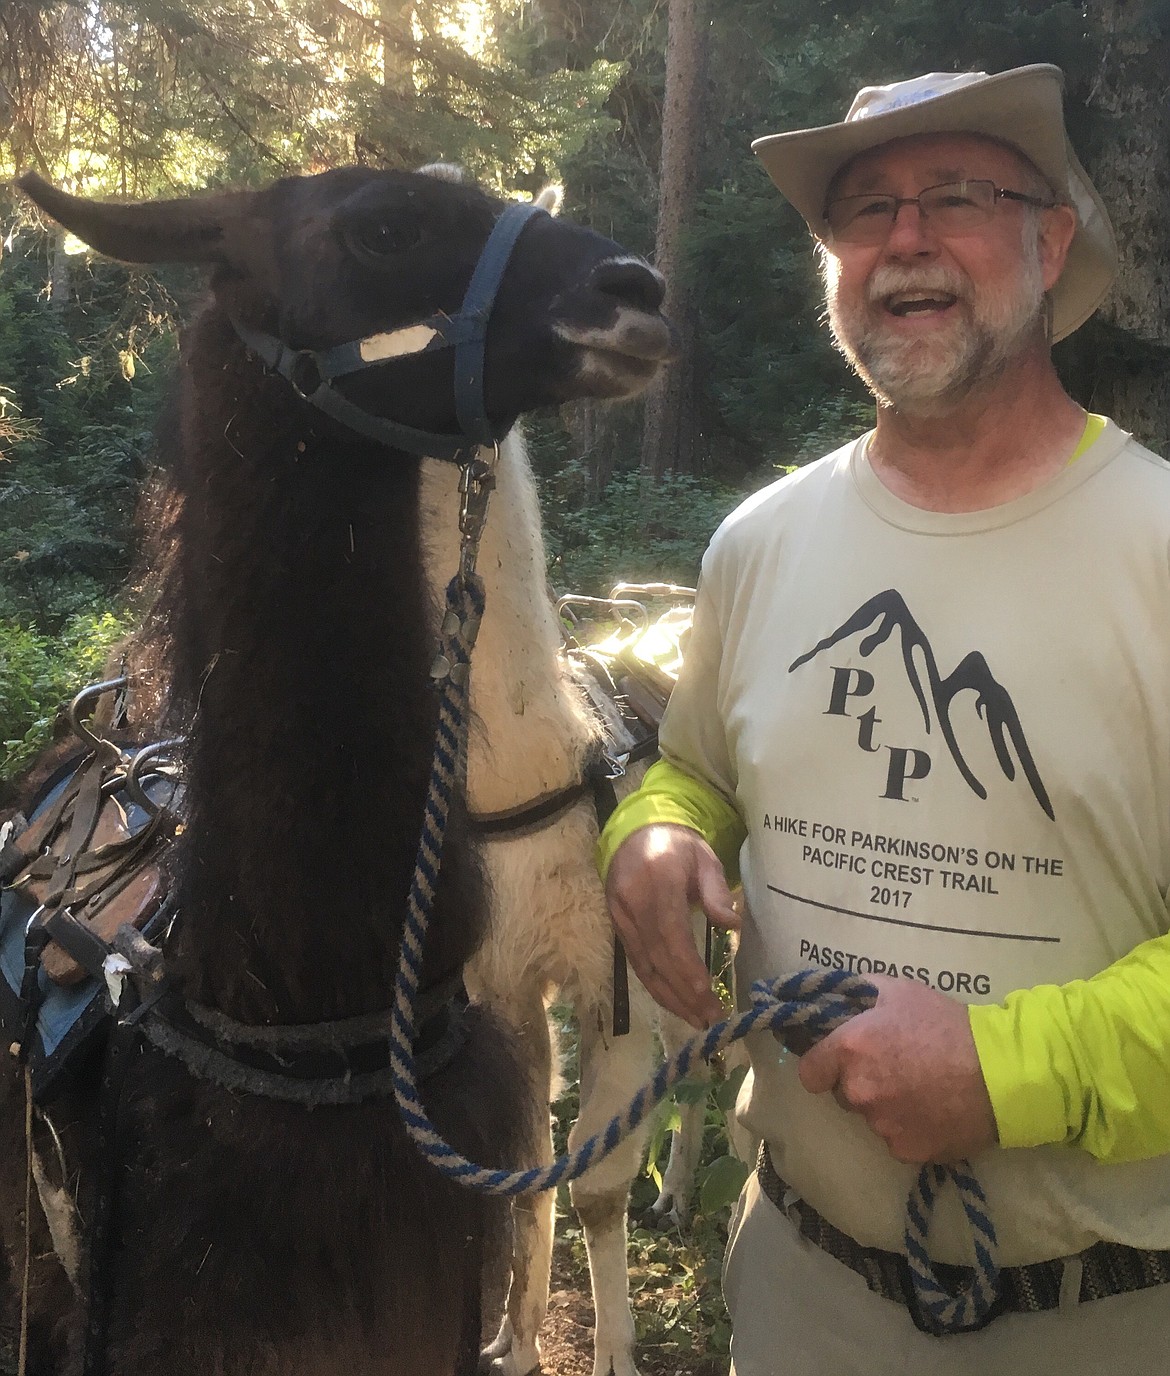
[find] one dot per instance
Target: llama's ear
(188, 231)
(550, 198)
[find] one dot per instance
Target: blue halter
(311, 372)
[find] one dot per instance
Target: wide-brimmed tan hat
(1022, 107)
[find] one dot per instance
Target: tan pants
(797, 1312)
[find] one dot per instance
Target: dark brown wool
(256, 1238)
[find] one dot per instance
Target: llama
(535, 731)
(254, 1236)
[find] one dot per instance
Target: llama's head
(354, 253)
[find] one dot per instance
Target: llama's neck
(305, 633)
(532, 730)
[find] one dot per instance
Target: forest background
(644, 110)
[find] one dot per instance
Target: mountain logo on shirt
(877, 621)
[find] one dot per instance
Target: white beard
(928, 376)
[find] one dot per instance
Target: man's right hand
(657, 876)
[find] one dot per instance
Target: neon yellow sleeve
(1086, 1063)
(670, 794)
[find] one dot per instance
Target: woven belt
(1108, 1268)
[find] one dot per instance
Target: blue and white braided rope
(946, 1312)
(813, 1002)
(452, 666)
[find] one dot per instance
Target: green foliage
(506, 128)
(642, 529)
(722, 1182)
(142, 96)
(40, 673)
(80, 375)
(81, 379)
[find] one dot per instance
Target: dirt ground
(567, 1337)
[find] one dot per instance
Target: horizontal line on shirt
(905, 922)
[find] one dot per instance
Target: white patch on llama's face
(617, 350)
(623, 259)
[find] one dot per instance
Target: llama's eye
(381, 238)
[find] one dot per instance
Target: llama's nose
(630, 282)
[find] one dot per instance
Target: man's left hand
(909, 1067)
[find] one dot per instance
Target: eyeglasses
(952, 210)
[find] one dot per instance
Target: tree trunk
(600, 434)
(1132, 173)
(671, 439)
(59, 276)
(396, 17)
(586, 428)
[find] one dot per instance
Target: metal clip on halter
(477, 479)
(305, 374)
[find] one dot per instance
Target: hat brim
(1022, 107)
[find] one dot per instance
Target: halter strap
(476, 309)
(310, 372)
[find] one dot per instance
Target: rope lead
(812, 1001)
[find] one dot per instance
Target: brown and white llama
(535, 730)
(255, 1236)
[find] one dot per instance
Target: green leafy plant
(638, 529)
(40, 673)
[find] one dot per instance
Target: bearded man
(925, 714)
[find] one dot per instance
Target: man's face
(925, 318)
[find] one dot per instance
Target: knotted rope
(947, 1312)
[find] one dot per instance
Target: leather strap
(311, 372)
(86, 807)
(605, 801)
(548, 806)
(528, 816)
(123, 1046)
(476, 308)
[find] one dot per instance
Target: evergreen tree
(145, 97)
(671, 441)
(1117, 362)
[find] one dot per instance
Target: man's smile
(918, 303)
